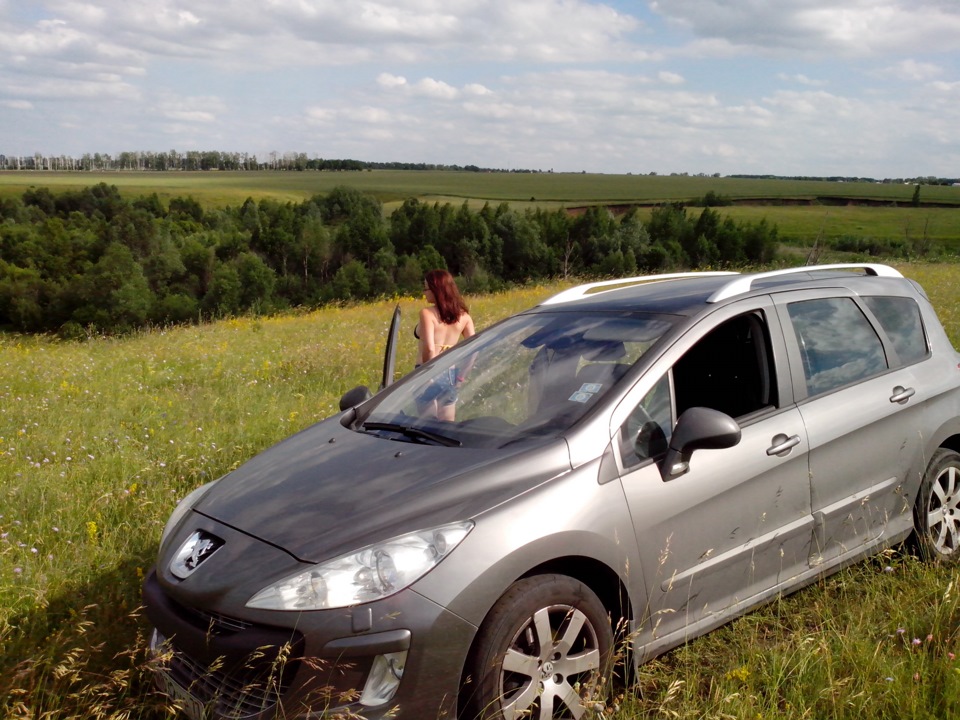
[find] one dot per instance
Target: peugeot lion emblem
(197, 548)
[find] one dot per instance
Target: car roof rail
(744, 283)
(575, 293)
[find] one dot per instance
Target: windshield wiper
(413, 433)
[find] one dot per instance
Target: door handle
(782, 444)
(902, 394)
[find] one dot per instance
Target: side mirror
(698, 428)
(354, 397)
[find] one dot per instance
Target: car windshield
(531, 376)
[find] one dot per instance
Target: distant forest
(196, 160)
(91, 261)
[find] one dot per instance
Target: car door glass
(838, 345)
(900, 319)
(646, 432)
(729, 369)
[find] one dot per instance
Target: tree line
(92, 261)
(201, 160)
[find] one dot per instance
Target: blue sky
(799, 87)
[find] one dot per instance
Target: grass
(99, 439)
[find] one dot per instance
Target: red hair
(450, 305)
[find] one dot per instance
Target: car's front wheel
(542, 652)
(936, 514)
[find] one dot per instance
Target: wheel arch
(951, 443)
(605, 583)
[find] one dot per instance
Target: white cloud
(428, 87)
(915, 71)
(391, 81)
(670, 78)
(476, 89)
(842, 26)
(17, 104)
(801, 79)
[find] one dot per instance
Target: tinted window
(838, 345)
(900, 319)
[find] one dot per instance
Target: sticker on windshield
(586, 391)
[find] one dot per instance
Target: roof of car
(688, 293)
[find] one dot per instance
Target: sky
(867, 88)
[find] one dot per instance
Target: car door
(860, 408)
(737, 525)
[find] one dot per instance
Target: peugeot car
(652, 455)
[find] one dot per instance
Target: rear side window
(900, 319)
(838, 345)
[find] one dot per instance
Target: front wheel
(936, 515)
(544, 648)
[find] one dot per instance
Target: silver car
(654, 455)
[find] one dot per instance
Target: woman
(439, 328)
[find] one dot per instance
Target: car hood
(329, 490)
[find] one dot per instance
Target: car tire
(936, 515)
(545, 647)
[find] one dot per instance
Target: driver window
(646, 432)
(729, 369)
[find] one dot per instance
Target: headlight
(374, 572)
(182, 508)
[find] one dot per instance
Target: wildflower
(901, 631)
(916, 641)
(930, 638)
(92, 531)
(17, 570)
(889, 679)
(951, 656)
(888, 569)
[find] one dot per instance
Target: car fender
(572, 521)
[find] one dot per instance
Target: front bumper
(311, 664)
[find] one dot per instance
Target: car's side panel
(865, 440)
(736, 524)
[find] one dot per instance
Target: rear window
(838, 345)
(900, 319)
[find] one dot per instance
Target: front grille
(250, 689)
(221, 624)
(211, 622)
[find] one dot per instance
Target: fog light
(384, 678)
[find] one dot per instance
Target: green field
(221, 188)
(798, 224)
(99, 439)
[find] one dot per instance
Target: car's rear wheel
(544, 650)
(936, 514)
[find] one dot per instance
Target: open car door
(390, 356)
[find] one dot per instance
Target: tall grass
(99, 439)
